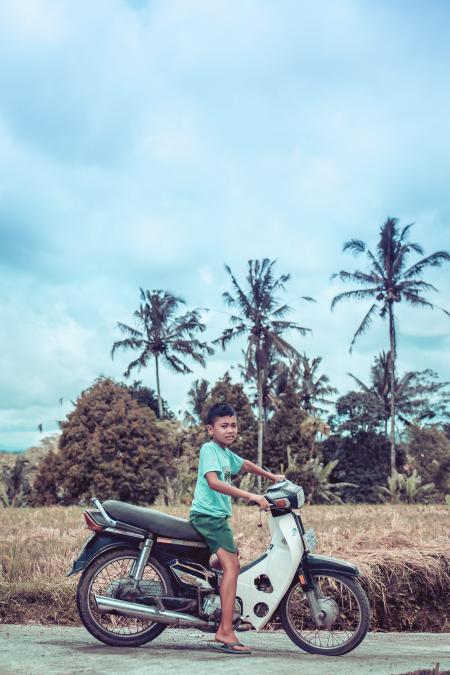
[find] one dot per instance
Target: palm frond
(361, 384)
(405, 232)
(138, 363)
(358, 294)
(290, 325)
(176, 364)
(131, 332)
(241, 299)
(434, 260)
(415, 285)
(127, 343)
(415, 299)
(230, 334)
(365, 323)
(355, 246)
(376, 265)
(282, 346)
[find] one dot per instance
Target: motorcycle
(143, 570)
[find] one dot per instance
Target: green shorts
(215, 531)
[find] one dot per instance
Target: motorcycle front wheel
(343, 600)
(108, 575)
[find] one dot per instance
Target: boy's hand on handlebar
(261, 501)
(278, 477)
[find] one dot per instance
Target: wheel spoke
(110, 578)
(342, 610)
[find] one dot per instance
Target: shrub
(429, 452)
(403, 488)
(111, 447)
(363, 460)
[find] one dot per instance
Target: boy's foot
(234, 648)
(230, 642)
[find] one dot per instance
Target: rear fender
(95, 546)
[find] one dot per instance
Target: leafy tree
(428, 451)
(315, 478)
(357, 411)
(197, 397)
(110, 447)
(364, 459)
(314, 389)
(271, 389)
(284, 430)
(260, 318)
(162, 335)
(427, 400)
(388, 281)
(146, 396)
(419, 396)
(226, 391)
(179, 486)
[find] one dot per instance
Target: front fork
(137, 570)
(317, 613)
(313, 596)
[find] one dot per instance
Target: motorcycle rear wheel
(351, 621)
(99, 578)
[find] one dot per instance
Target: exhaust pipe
(138, 611)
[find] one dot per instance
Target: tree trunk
(392, 381)
(259, 458)
(158, 389)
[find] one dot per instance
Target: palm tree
(274, 383)
(303, 377)
(388, 281)
(419, 395)
(380, 388)
(314, 388)
(197, 396)
(163, 336)
(260, 317)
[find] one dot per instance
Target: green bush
(111, 447)
(429, 452)
(363, 460)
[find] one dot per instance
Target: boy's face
(224, 430)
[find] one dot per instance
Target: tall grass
(402, 550)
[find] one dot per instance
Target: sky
(149, 143)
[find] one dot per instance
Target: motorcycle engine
(211, 607)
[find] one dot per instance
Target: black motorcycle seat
(151, 520)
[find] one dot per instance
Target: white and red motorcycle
(144, 570)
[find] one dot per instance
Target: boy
(211, 508)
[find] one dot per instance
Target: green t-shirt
(225, 463)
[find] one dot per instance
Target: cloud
(145, 144)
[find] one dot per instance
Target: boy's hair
(219, 410)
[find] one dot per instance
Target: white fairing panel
(280, 565)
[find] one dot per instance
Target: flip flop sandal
(228, 647)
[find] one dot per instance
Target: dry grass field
(403, 552)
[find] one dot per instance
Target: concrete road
(35, 650)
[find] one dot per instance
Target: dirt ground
(50, 650)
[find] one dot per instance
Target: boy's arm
(218, 485)
(250, 467)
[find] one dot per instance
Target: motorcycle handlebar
(253, 503)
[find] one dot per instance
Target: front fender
(321, 564)
(97, 544)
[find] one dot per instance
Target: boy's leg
(230, 566)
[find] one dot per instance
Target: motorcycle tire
(85, 609)
(358, 636)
